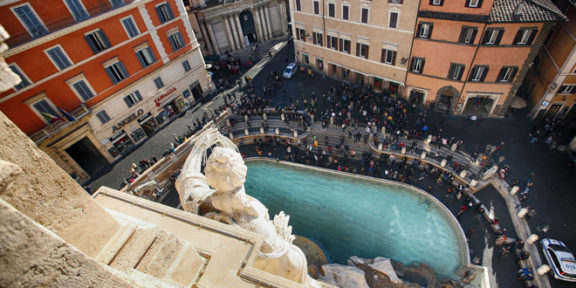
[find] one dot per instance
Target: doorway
(479, 105)
(445, 98)
(87, 156)
(248, 27)
(553, 110)
(416, 97)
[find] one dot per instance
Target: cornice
(454, 16)
(75, 27)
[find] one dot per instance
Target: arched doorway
(445, 98)
(248, 27)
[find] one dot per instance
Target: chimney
(519, 10)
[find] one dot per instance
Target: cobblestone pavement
(552, 196)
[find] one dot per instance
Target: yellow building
(364, 42)
(552, 82)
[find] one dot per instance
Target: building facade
(552, 82)
(98, 77)
(469, 57)
(362, 42)
(227, 26)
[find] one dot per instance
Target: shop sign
(164, 96)
(127, 120)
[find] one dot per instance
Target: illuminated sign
(164, 96)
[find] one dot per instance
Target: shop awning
(518, 103)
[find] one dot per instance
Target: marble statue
(221, 188)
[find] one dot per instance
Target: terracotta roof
(525, 11)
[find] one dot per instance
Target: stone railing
(59, 125)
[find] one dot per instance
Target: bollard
(514, 190)
(383, 131)
(264, 116)
(246, 118)
(331, 121)
(261, 130)
(454, 147)
(295, 133)
(423, 155)
(403, 150)
(380, 146)
(463, 174)
(231, 136)
(522, 212)
(277, 131)
(282, 117)
(228, 122)
(246, 132)
(312, 118)
(473, 183)
(443, 163)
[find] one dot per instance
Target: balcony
(59, 125)
(18, 38)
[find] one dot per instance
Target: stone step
(187, 267)
(134, 249)
(111, 249)
(161, 255)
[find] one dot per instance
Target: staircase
(261, 50)
(152, 257)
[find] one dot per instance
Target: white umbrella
(518, 103)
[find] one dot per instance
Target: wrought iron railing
(60, 124)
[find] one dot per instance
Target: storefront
(148, 124)
(121, 144)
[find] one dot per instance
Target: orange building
(98, 77)
(469, 57)
(552, 82)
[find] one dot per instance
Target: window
(525, 36)
(298, 5)
(305, 59)
(388, 57)
(467, 35)
(317, 38)
(344, 45)
(365, 12)
(332, 42)
(393, 22)
(474, 3)
(316, 7)
(103, 116)
(30, 20)
(158, 82)
(362, 50)
(417, 64)
(301, 34)
(133, 98)
(331, 9)
(117, 72)
(58, 57)
(77, 10)
(145, 56)
(456, 71)
(164, 12)
(425, 30)
(493, 36)
(437, 2)
(507, 74)
(97, 41)
(176, 41)
(345, 12)
(117, 3)
(567, 89)
(130, 27)
(186, 66)
(395, 1)
(24, 80)
(80, 86)
(478, 73)
(45, 109)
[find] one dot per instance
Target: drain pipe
(470, 66)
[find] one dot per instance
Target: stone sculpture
(228, 203)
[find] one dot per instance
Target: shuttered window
(97, 41)
(133, 98)
(117, 72)
(164, 12)
(59, 58)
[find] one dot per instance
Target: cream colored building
(226, 26)
(365, 42)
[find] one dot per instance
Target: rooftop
(525, 11)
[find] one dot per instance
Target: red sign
(164, 96)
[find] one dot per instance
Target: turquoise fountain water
(351, 216)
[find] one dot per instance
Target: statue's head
(225, 169)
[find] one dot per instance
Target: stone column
(256, 14)
(240, 32)
(267, 17)
(211, 33)
(284, 20)
(229, 35)
(206, 37)
(232, 22)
